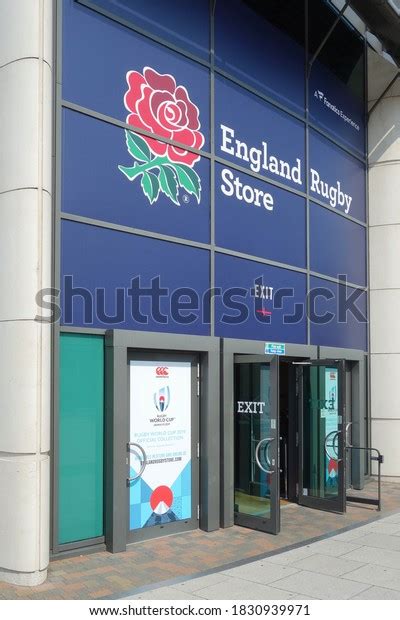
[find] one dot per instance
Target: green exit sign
(275, 348)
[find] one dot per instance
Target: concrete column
(384, 220)
(26, 46)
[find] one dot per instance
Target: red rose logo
(156, 104)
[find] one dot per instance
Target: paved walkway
(363, 563)
(180, 557)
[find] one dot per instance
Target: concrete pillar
(26, 47)
(384, 235)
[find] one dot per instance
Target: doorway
(289, 437)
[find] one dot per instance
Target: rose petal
(158, 100)
(159, 81)
(192, 110)
(189, 137)
(132, 96)
(146, 113)
(183, 108)
(158, 97)
(170, 116)
(194, 139)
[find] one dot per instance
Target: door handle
(348, 425)
(268, 441)
(144, 460)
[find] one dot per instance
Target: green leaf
(150, 186)
(168, 183)
(137, 147)
(130, 173)
(188, 179)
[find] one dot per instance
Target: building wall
(25, 256)
(384, 237)
(182, 240)
(118, 225)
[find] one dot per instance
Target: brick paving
(104, 575)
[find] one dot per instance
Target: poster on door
(330, 413)
(160, 426)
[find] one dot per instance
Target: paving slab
(320, 586)
(392, 518)
(290, 557)
(240, 589)
(261, 572)
(378, 594)
(327, 565)
(372, 555)
(164, 594)
(192, 585)
(352, 535)
(333, 547)
(381, 527)
(376, 576)
(380, 541)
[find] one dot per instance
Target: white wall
(384, 231)
(25, 256)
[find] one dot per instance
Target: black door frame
(119, 343)
(229, 348)
(337, 505)
(270, 525)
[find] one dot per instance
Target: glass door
(256, 442)
(322, 435)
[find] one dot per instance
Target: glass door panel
(256, 443)
(321, 436)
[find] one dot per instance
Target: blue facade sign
(335, 109)
(94, 185)
(338, 315)
(98, 47)
(167, 20)
(337, 246)
(259, 302)
(253, 217)
(161, 199)
(247, 46)
(115, 280)
(257, 139)
(336, 178)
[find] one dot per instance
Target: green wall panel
(81, 437)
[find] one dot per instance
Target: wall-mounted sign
(139, 185)
(275, 348)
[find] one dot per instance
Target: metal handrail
(366, 500)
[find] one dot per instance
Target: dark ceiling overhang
(383, 21)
